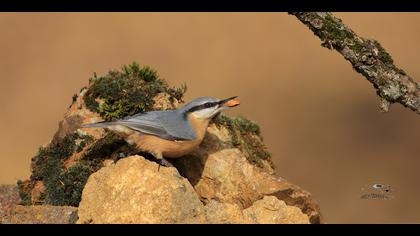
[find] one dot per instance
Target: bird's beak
(230, 102)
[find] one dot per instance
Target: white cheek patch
(204, 113)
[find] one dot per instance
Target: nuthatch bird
(170, 133)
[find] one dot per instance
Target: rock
(271, 210)
(9, 197)
(37, 192)
(223, 213)
(41, 215)
(230, 178)
(67, 126)
(295, 196)
(221, 172)
(60, 169)
(162, 101)
(134, 191)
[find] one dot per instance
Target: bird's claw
(163, 162)
(166, 163)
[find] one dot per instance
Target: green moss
(177, 93)
(246, 126)
(24, 194)
(81, 146)
(242, 124)
(119, 109)
(113, 96)
(129, 69)
(91, 103)
(102, 149)
(65, 187)
(230, 125)
(48, 160)
(358, 47)
(62, 186)
(382, 54)
(70, 183)
(127, 92)
(84, 140)
(333, 31)
(148, 74)
(244, 135)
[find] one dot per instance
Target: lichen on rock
(367, 56)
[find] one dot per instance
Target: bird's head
(208, 107)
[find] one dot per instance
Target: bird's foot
(161, 160)
(119, 156)
(166, 163)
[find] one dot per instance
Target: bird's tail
(102, 124)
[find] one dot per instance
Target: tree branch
(367, 57)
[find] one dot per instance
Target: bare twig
(367, 57)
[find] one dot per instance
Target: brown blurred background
(319, 118)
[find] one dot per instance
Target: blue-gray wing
(170, 125)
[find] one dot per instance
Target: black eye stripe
(209, 104)
(203, 106)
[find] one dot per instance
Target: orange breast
(169, 148)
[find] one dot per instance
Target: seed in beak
(232, 103)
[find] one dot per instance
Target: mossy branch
(367, 57)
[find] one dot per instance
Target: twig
(367, 57)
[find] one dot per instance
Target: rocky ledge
(93, 176)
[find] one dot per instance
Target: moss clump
(245, 135)
(113, 96)
(83, 142)
(382, 54)
(48, 166)
(48, 160)
(91, 103)
(230, 125)
(69, 185)
(177, 93)
(367, 48)
(246, 126)
(333, 31)
(64, 186)
(24, 193)
(358, 47)
(127, 92)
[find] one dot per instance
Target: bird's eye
(378, 186)
(207, 105)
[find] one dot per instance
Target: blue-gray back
(170, 124)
